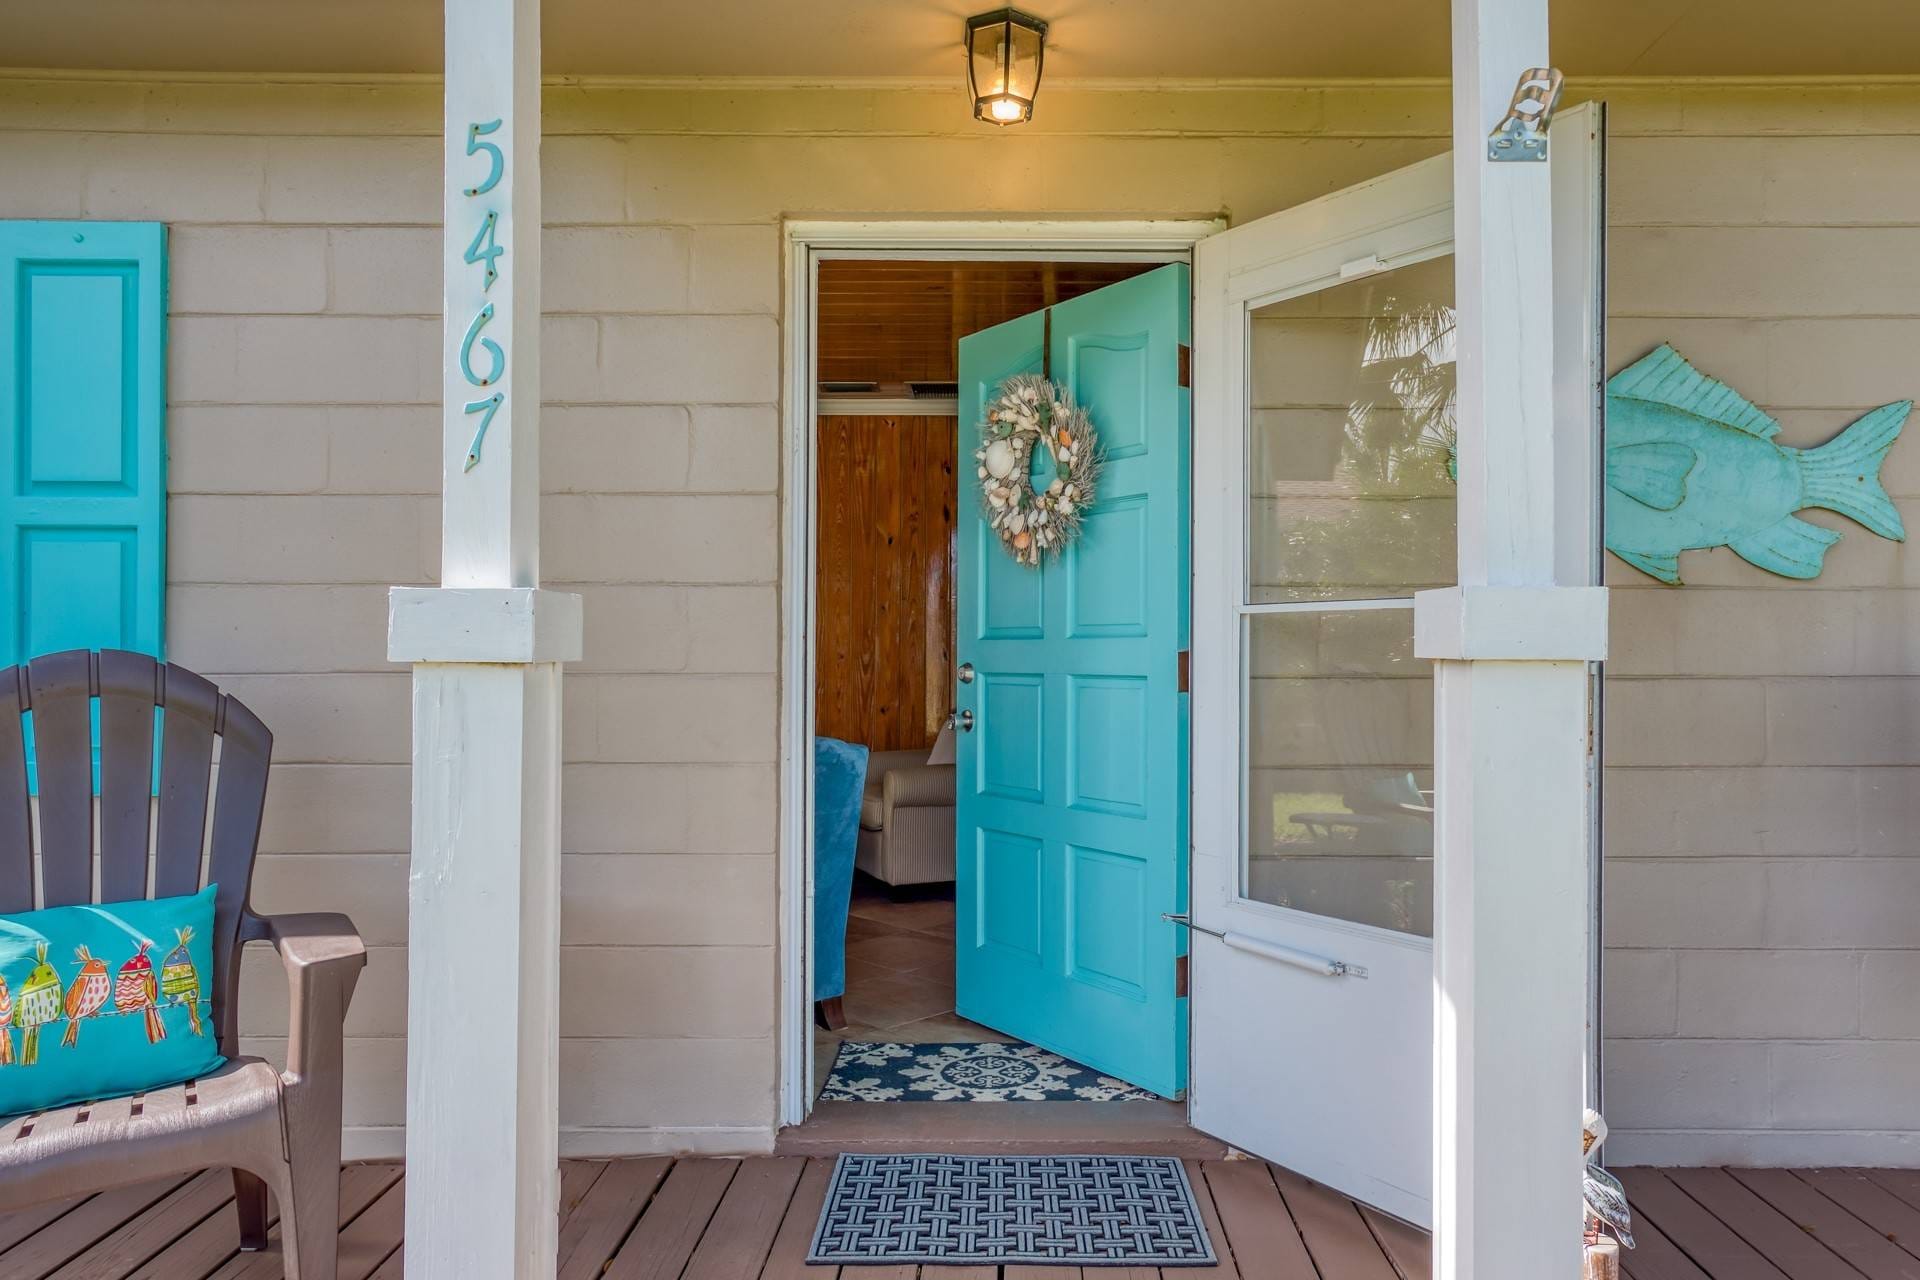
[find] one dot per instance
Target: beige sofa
(906, 817)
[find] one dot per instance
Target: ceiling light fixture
(1005, 49)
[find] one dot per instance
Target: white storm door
(1323, 499)
(1323, 352)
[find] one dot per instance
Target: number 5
(497, 161)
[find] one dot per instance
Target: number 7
(491, 405)
(497, 160)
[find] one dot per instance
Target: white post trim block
(1511, 704)
(483, 898)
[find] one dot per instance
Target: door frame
(805, 243)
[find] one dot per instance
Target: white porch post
(486, 647)
(1511, 722)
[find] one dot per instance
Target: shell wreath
(1025, 413)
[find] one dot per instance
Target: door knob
(965, 673)
(964, 722)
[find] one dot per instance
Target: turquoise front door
(1072, 787)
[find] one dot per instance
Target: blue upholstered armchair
(839, 777)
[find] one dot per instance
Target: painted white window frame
(806, 243)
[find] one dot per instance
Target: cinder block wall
(303, 436)
(1762, 813)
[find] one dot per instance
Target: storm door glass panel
(1339, 781)
(1349, 511)
(1350, 438)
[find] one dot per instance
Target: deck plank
(18, 1225)
(1654, 1257)
(1223, 1267)
(1333, 1230)
(674, 1221)
(394, 1267)
(737, 1241)
(576, 1179)
(217, 1238)
(1867, 1251)
(158, 1226)
(1265, 1243)
(1778, 1238)
(716, 1219)
(1712, 1244)
(211, 1242)
(1870, 1202)
(1407, 1247)
(787, 1259)
(606, 1213)
(374, 1236)
(368, 1183)
(47, 1250)
(1904, 1183)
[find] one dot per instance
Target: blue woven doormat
(1087, 1211)
(865, 1071)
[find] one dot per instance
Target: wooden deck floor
(718, 1219)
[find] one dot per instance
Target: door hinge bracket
(1522, 132)
(1186, 365)
(1185, 671)
(1180, 987)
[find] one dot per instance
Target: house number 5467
(482, 252)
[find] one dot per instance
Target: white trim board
(805, 243)
(887, 406)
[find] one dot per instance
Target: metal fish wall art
(1692, 463)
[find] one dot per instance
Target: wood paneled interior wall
(888, 321)
(883, 666)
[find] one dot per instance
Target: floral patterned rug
(867, 1072)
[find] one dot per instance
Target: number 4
(492, 250)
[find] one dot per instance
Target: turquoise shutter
(82, 454)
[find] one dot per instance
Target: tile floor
(899, 973)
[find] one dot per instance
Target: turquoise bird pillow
(105, 999)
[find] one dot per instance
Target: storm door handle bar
(1325, 966)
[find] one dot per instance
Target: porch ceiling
(863, 38)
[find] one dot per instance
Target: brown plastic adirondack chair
(274, 1129)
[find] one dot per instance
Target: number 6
(495, 355)
(497, 161)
